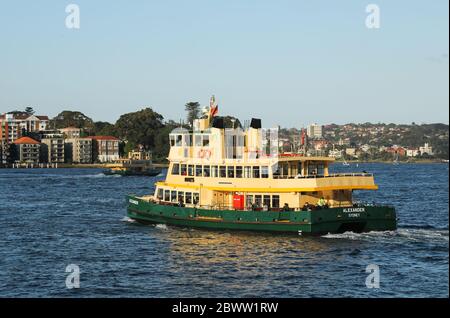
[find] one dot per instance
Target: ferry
(234, 179)
(138, 163)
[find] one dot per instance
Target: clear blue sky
(287, 62)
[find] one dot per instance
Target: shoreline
(165, 166)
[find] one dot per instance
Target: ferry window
(247, 172)
(183, 170)
(167, 195)
(223, 172)
(284, 170)
(180, 196)
(188, 197)
(275, 170)
(173, 196)
(198, 140)
(214, 171)
(160, 194)
(205, 140)
(230, 171)
(196, 198)
(239, 172)
(255, 172)
(176, 169)
(179, 140)
(258, 200)
(266, 201)
(190, 170)
(320, 170)
(198, 171)
(275, 201)
(206, 171)
(172, 140)
(264, 172)
(249, 201)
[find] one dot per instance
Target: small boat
(137, 164)
(225, 179)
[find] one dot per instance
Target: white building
(426, 149)
(13, 124)
(314, 131)
(412, 152)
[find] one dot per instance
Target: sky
(290, 63)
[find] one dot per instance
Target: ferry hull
(317, 222)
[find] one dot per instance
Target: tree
(69, 118)
(104, 128)
(193, 111)
(29, 110)
(140, 127)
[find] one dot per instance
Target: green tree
(69, 118)
(29, 110)
(193, 111)
(140, 127)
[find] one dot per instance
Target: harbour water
(51, 218)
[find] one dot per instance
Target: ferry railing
(333, 175)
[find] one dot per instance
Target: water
(52, 218)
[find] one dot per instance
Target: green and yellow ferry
(234, 179)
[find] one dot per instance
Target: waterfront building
(27, 150)
(426, 149)
(412, 152)
(350, 152)
(335, 153)
(315, 131)
(78, 150)
(105, 148)
(53, 150)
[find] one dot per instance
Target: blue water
(53, 218)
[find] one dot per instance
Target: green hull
(333, 220)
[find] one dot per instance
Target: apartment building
(13, 125)
(71, 132)
(53, 150)
(78, 150)
(27, 150)
(105, 148)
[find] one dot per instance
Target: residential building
(27, 150)
(71, 132)
(13, 125)
(335, 153)
(78, 150)
(314, 131)
(350, 152)
(3, 152)
(412, 152)
(105, 148)
(426, 149)
(53, 150)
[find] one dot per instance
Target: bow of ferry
(226, 179)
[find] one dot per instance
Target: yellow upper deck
(247, 160)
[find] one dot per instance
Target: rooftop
(26, 141)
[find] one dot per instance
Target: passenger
(286, 207)
(322, 203)
(306, 207)
(254, 206)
